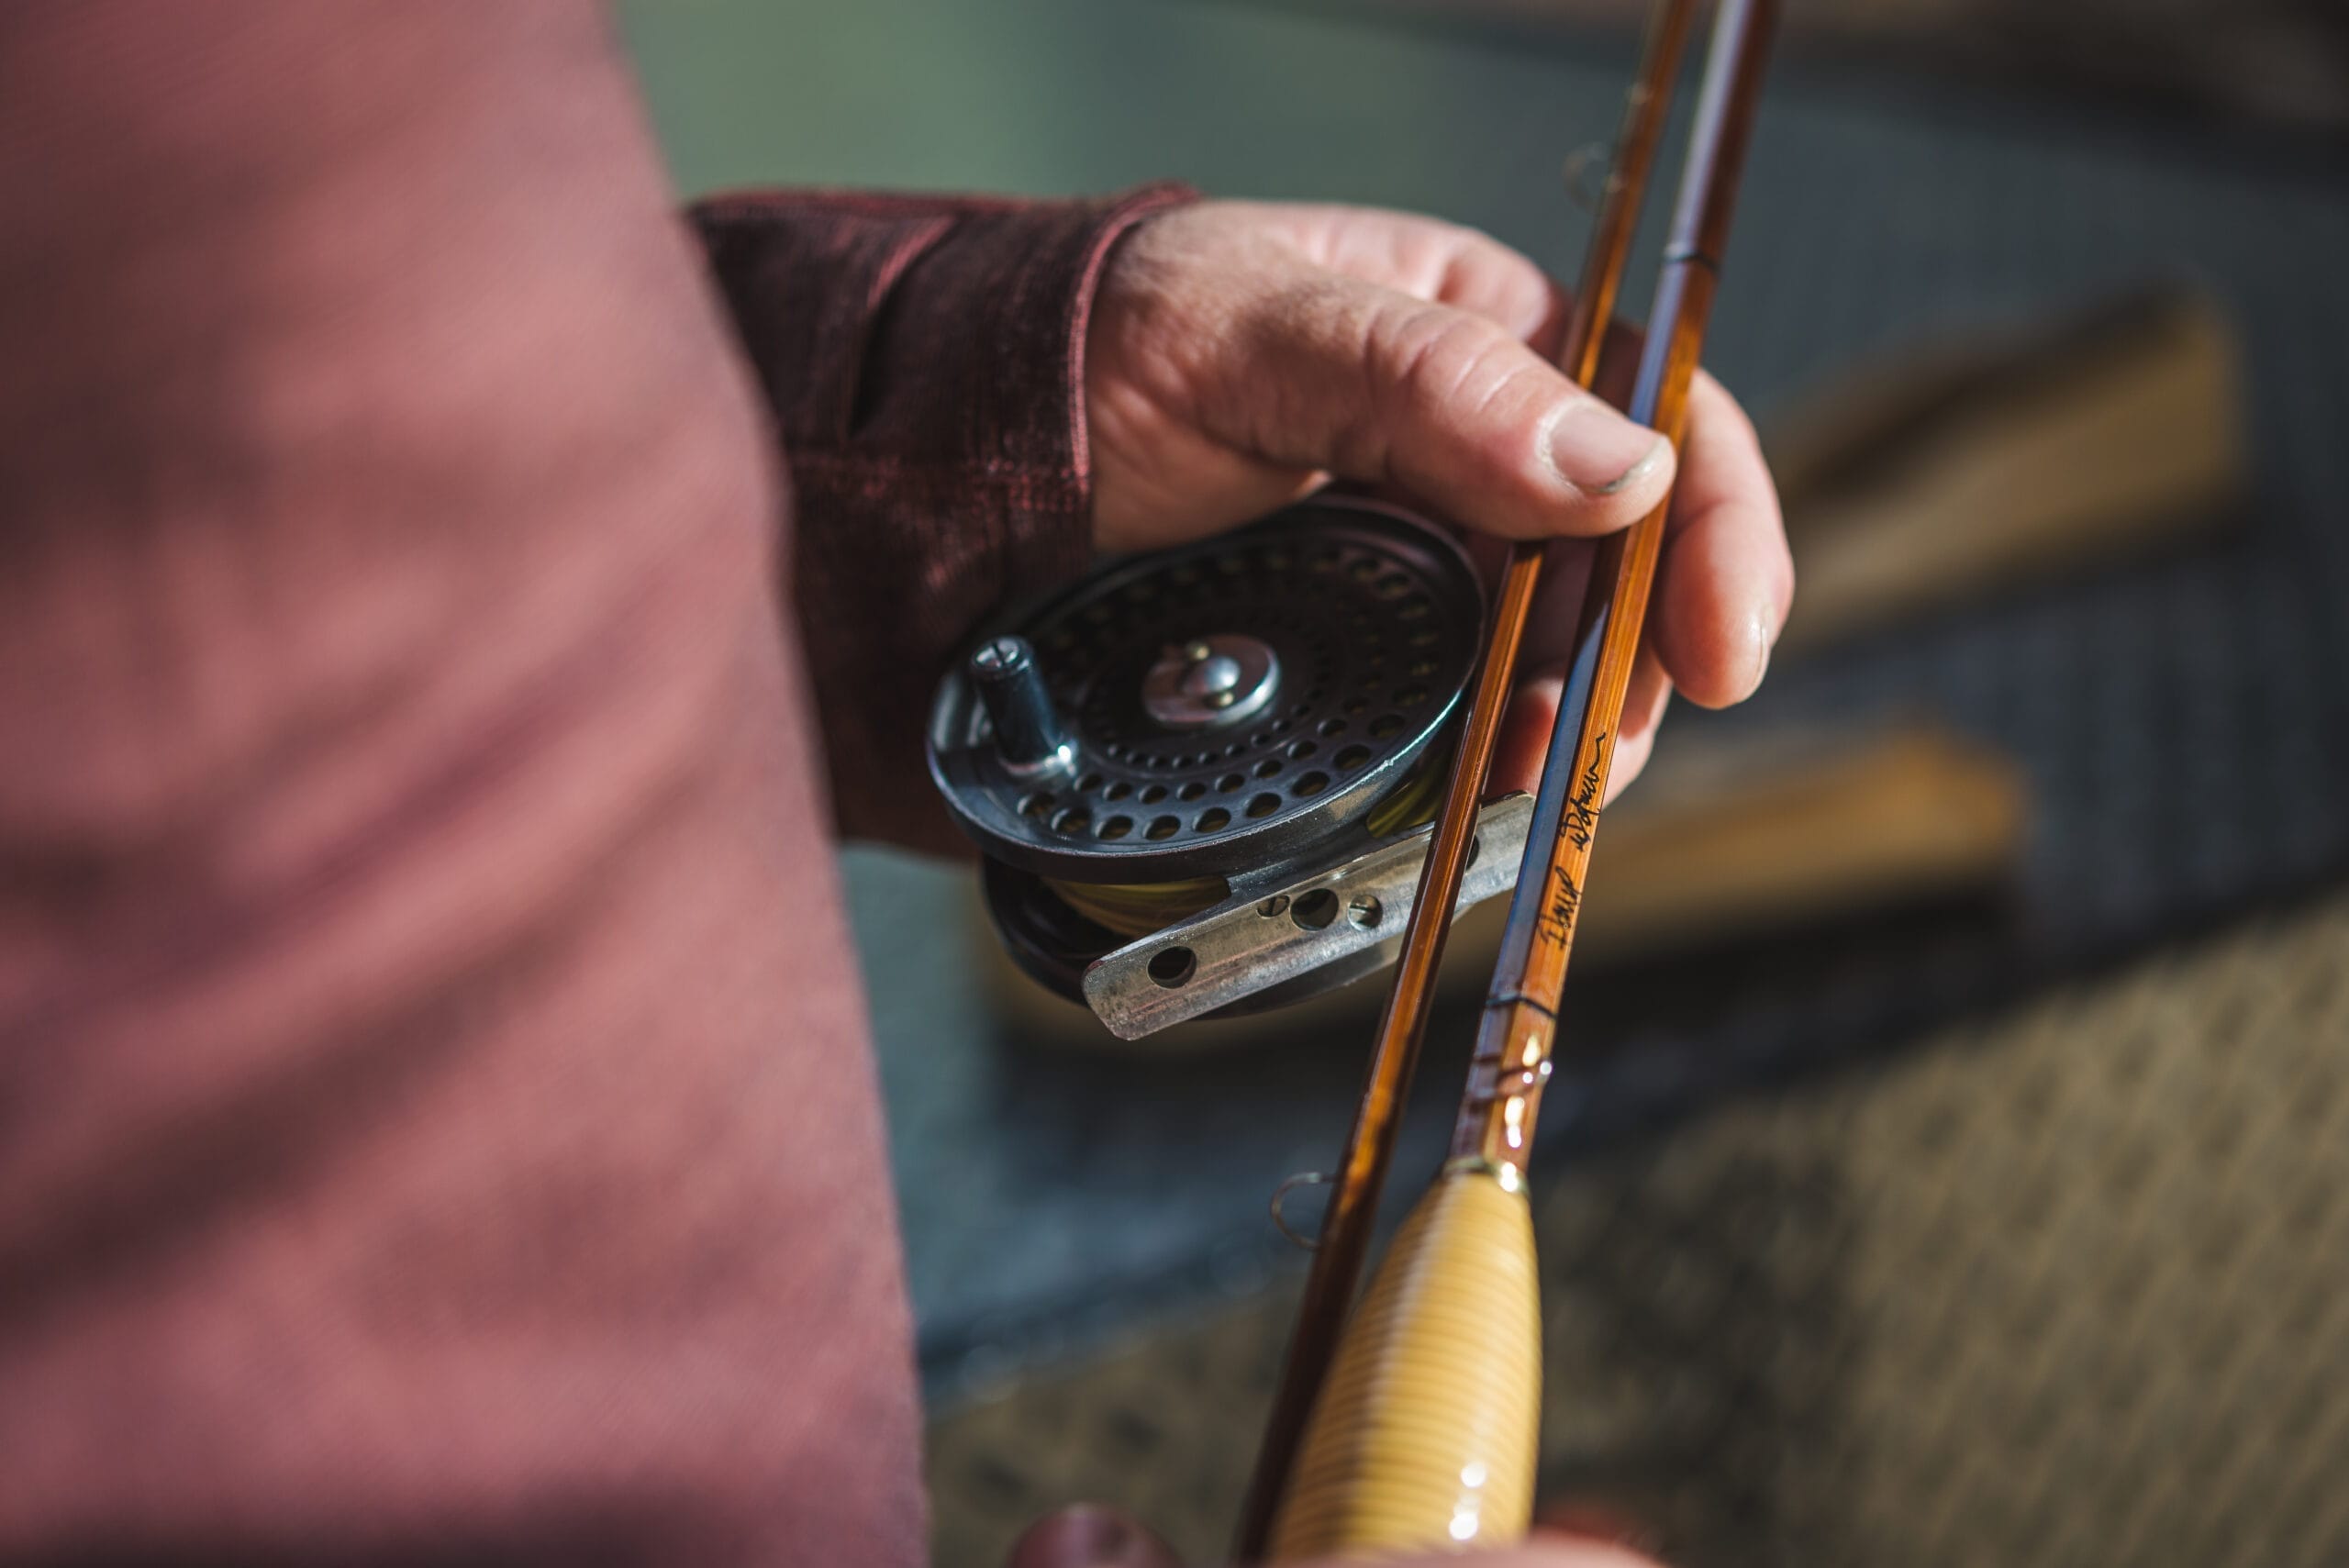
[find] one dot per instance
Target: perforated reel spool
(1249, 706)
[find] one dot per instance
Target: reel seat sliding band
(1330, 927)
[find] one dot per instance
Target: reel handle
(1028, 735)
(1427, 1431)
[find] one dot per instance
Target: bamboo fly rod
(1414, 1425)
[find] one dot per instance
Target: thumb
(1369, 383)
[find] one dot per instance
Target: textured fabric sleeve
(923, 357)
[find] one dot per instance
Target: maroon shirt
(436, 1120)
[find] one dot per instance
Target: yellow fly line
(1136, 909)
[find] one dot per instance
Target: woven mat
(2067, 1285)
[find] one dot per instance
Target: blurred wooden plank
(1788, 831)
(1964, 469)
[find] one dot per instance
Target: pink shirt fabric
(444, 605)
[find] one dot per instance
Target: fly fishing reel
(1201, 779)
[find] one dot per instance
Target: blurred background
(1952, 1163)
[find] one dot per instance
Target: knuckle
(1443, 387)
(1434, 358)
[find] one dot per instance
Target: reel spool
(1201, 779)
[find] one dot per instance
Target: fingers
(1532, 716)
(1370, 383)
(1542, 661)
(1726, 580)
(1430, 258)
(1645, 701)
(1241, 354)
(1524, 741)
(1722, 597)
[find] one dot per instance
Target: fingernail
(1598, 451)
(1764, 637)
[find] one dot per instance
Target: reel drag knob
(1029, 737)
(1210, 681)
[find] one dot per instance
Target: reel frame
(1228, 717)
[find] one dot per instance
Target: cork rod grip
(1425, 1434)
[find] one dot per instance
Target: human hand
(1242, 354)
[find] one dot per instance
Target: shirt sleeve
(923, 360)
